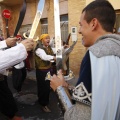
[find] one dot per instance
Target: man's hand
(11, 41)
(28, 43)
(66, 46)
(57, 81)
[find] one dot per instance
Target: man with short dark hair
(99, 76)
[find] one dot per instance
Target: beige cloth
(79, 111)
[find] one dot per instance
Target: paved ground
(28, 106)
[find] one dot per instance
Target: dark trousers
(18, 77)
(8, 106)
(43, 87)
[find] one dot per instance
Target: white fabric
(42, 54)
(12, 56)
(20, 65)
(3, 44)
(105, 87)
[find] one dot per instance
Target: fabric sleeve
(20, 65)
(3, 44)
(79, 111)
(12, 56)
(41, 53)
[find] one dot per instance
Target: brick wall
(50, 13)
(11, 22)
(74, 11)
(50, 18)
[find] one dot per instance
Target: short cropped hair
(103, 11)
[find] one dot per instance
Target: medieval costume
(43, 55)
(18, 75)
(7, 103)
(101, 68)
(19, 72)
(8, 59)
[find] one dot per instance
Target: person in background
(19, 73)
(9, 57)
(6, 59)
(97, 92)
(5, 74)
(27, 60)
(43, 55)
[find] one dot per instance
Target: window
(44, 26)
(63, 25)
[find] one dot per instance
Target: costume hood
(106, 45)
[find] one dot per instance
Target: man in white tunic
(100, 69)
(9, 57)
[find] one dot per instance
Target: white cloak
(105, 87)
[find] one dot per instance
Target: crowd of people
(96, 93)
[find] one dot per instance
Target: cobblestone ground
(27, 103)
(30, 109)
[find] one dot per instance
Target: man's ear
(94, 23)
